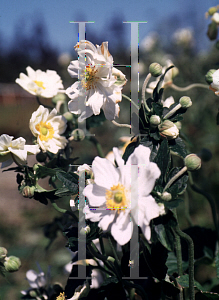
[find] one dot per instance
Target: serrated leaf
(157, 109)
(155, 135)
(69, 181)
(179, 185)
(152, 144)
(184, 282)
(158, 91)
(163, 161)
(63, 192)
(129, 150)
(178, 147)
(42, 171)
(171, 264)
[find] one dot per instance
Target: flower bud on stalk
(58, 97)
(12, 264)
(3, 252)
(77, 135)
(209, 76)
(212, 31)
(168, 130)
(185, 102)
(212, 10)
(28, 191)
(155, 69)
(192, 162)
(155, 120)
(68, 116)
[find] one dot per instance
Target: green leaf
(206, 296)
(155, 135)
(171, 264)
(63, 192)
(163, 161)
(179, 184)
(129, 150)
(152, 144)
(68, 179)
(157, 109)
(178, 147)
(158, 91)
(42, 172)
(184, 282)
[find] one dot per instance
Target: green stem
(171, 112)
(97, 145)
(183, 170)
(121, 125)
(39, 102)
(114, 251)
(210, 200)
(143, 91)
(126, 97)
(189, 87)
(62, 210)
(186, 201)
(178, 253)
(191, 260)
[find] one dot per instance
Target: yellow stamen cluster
(61, 296)
(89, 77)
(116, 198)
(40, 84)
(46, 131)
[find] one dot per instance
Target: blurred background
(37, 33)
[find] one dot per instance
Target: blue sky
(56, 14)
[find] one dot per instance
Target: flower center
(116, 197)
(46, 131)
(88, 77)
(39, 84)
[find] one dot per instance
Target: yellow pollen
(89, 77)
(116, 198)
(46, 131)
(40, 84)
(61, 296)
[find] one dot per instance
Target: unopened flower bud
(178, 125)
(166, 196)
(155, 120)
(68, 116)
(168, 130)
(78, 135)
(155, 69)
(58, 97)
(185, 102)
(28, 191)
(215, 18)
(212, 10)
(12, 264)
(209, 76)
(85, 230)
(212, 31)
(110, 258)
(3, 252)
(33, 293)
(192, 162)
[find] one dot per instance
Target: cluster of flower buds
(213, 26)
(10, 263)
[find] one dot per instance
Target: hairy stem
(143, 91)
(189, 87)
(126, 97)
(183, 170)
(121, 125)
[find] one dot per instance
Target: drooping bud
(155, 120)
(185, 102)
(168, 130)
(209, 76)
(78, 135)
(192, 162)
(3, 252)
(28, 191)
(155, 69)
(68, 116)
(12, 264)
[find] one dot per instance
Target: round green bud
(192, 162)
(28, 191)
(78, 135)
(185, 102)
(58, 97)
(168, 130)
(155, 69)
(41, 156)
(85, 230)
(110, 258)
(68, 116)
(155, 120)
(3, 252)
(212, 10)
(33, 293)
(209, 76)
(12, 264)
(166, 196)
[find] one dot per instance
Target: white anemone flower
(36, 280)
(15, 150)
(214, 86)
(47, 127)
(117, 193)
(44, 84)
(100, 84)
